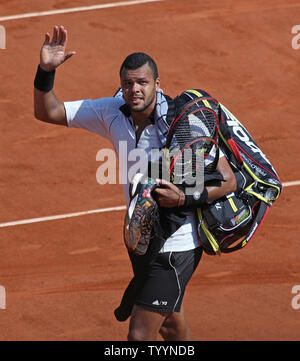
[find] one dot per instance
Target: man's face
(139, 88)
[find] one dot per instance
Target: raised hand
(53, 52)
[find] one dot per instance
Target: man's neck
(143, 118)
(141, 121)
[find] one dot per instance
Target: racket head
(197, 118)
(192, 139)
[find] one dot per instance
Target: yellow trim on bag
(200, 95)
(233, 206)
(244, 243)
(207, 104)
(195, 92)
(248, 189)
(209, 236)
(224, 140)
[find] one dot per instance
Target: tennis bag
(228, 224)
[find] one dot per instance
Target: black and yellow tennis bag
(228, 224)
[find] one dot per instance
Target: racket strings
(197, 124)
(192, 138)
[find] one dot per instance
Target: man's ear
(157, 83)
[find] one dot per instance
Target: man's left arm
(168, 195)
(225, 187)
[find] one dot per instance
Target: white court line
(73, 10)
(93, 211)
(290, 184)
(62, 216)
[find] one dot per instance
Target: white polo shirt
(104, 117)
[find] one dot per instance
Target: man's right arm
(47, 108)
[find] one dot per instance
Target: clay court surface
(64, 277)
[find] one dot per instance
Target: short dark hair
(136, 60)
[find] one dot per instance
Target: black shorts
(163, 287)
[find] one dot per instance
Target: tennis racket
(191, 144)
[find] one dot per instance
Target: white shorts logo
(160, 303)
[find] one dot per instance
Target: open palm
(53, 52)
